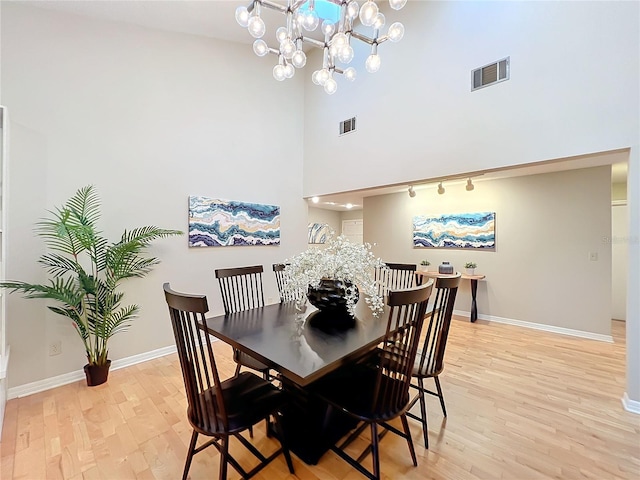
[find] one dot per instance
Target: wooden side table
(474, 287)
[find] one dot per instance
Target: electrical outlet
(55, 348)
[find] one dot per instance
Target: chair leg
(238, 366)
(267, 421)
(283, 441)
(224, 452)
(440, 396)
(423, 412)
(407, 432)
(192, 447)
(375, 454)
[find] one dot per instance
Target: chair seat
(248, 361)
(352, 389)
(247, 398)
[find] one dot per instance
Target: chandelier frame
(336, 45)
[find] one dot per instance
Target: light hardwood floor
(522, 404)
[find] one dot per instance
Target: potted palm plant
(86, 274)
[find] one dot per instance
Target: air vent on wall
(348, 126)
(489, 74)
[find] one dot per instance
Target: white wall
(573, 90)
(330, 217)
(632, 399)
(619, 260)
(546, 226)
(149, 118)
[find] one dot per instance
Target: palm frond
(58, 265)
(85, 204)
(98, 253)
(144, 235)
(128, 266)
(117, 322)
(56, 232)
(60, 289)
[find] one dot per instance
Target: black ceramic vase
(330, 296)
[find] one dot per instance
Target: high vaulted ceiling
(216, 19)
(209, 18)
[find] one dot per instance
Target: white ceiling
(209, 18)
(216, 19)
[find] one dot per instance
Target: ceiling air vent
(348, 126)
(489, 74)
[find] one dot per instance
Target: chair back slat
(395, 276)
(199, 371)
(431, 359)
(278, 271)
(287, 293)
(398, 350)
(241, 288)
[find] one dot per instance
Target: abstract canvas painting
(318, 232)
(221, 223)
(457, 230)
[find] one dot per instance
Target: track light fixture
(440, 188)
(412, 192)
(470, 186)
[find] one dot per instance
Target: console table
(474, 287)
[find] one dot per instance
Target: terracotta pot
(97, 374)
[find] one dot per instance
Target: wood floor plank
(522, 405)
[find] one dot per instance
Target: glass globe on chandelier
(336, 19)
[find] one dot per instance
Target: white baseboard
(629, 405)
(539, 326)
(64, 379)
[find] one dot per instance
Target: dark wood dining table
(303, 346)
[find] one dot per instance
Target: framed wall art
(455, 230)
(221, 223)
(318, 232)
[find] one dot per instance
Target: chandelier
(337, 20)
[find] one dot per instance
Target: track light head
(470, 186)
(440, 188)
(412, 192)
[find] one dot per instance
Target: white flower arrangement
(339, 260)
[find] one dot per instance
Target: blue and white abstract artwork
(457, 230)
(222, 223)
(318, 232)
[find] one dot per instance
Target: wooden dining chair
(285, 292)
(241, 289)
(220, 409)
(278, 271)
(395, 276)
(376, 390)
(430, 359)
